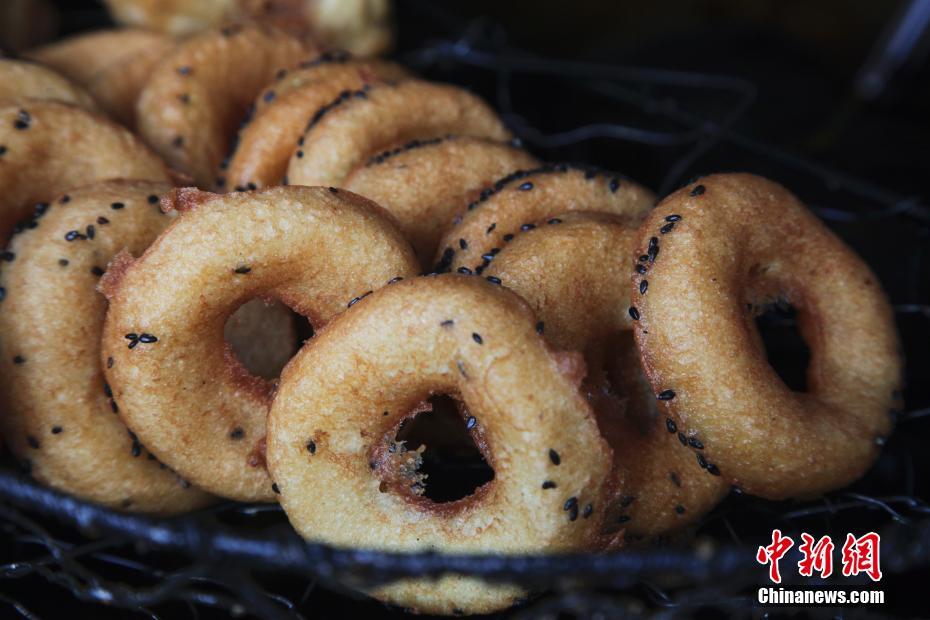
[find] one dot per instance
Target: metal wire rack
(244, 560)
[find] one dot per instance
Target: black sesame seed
(91, 231)
(117, 205)
(702, 461)
(269, 96)
(22, 120)
(463, 244)
(666, 395)
(643, 287)
(42, 207)
(299, 154)
(680, 509)
(334, 190)
(694, 442)
(56, 430)
(698, 190)
(447, 323)
(674, 478)
(461, 366)
(634, 313)
(643, 258)
(63, 262)
(242, 270)
(395, 279)
(494, 280)
(109, 362)
(526, 186)
(107, 390)
(114, 406)
(311, 447)
(97, 271)
(102, 221)
(2, 293)
(614, 184)
(682, 438)
(136, 448)
(671, 426)
(477, 338)
(147, 338)
(540, 327)
(2, 150)
(33, 442)
(237, 433)
(548, 484)
(713, 469)
(19, 359)
(465, 270)
(153, 199)
(178, 142)
(667, 228)
(184, 98)
(526, 227)
(508, 237)
(672, 218)
(491, 228)
(8, 256)
(470, 422)
(588, 510)
(571, 502)
(274, 487)
(641, 269)
(184, 70)
(554, 220)
(554, 457)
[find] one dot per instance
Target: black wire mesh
(239, 560)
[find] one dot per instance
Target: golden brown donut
(360, 26)
(573, 271)
(113, 65)
(177, 384)
(22, 81)
(267, 141)
(199, 94)
(712, 253)
(47, 148)
(518, 200)
(343, 481)
(58, 418)
(422, 183)
(359, 124)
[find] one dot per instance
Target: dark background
(767, 86)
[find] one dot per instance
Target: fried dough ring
(572, 271)
(738, 239)
(22, 81)
(422, 183)
(530, 196)
(113, 65)
(47, 148)
(329, 441)
(267, 142)
(178, 386)
(196, 97)
(58, 416)
(343, 134)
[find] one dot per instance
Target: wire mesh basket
(666, 126)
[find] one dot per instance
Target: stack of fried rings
(572, 304)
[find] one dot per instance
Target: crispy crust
(58, 414)
(573, 273)
(423, 183)
(22, 81)
(52, 147)
(185, 395)
(342, 135)
(528, 196)
(456, 335)
(735, 239)
(197, 96)
(266, 143)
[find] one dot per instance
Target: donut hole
(785, 349)
(451, 466)
(265, 335)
